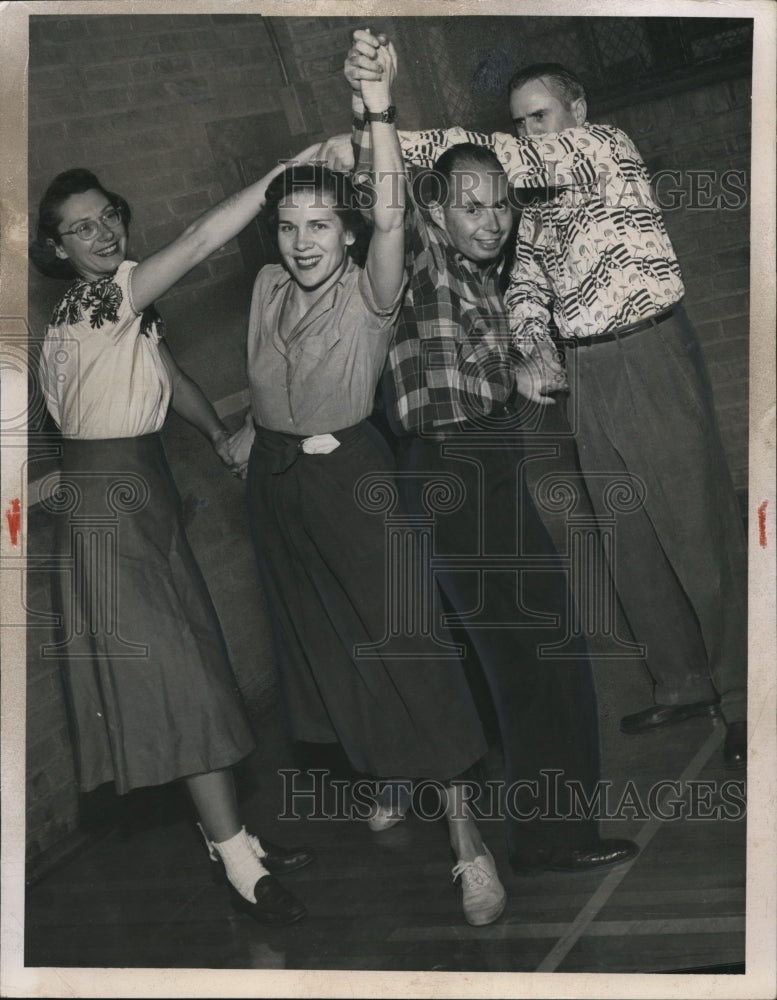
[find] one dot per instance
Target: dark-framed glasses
(87, 230)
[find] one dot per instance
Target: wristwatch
(389, 116)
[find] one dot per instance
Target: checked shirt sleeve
(362, 149)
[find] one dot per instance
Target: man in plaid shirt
(595, 272)
(448, 390)
(438, 379)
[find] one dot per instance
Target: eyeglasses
(111, 217)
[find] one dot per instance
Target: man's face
(476, 215)
(535, 109)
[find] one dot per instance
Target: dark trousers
(546, 705)
(642, 412)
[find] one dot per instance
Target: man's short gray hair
(567, 86)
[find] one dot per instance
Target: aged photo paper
(711, 157)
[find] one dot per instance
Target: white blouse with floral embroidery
(101, 371)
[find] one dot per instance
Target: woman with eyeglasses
(171, 710)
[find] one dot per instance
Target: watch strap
(388, 116)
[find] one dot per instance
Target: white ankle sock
(253, 840)
(244, 869)
(256, 845)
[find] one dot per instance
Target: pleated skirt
(150, 690)
(322, 557)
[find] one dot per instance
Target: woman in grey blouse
(318, 336)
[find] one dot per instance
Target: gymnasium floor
(141, 894)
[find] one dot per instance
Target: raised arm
(385, 266)
(574, 157)
(159, 272)
(416, 235)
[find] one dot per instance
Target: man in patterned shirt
(593, 257)
(448, 386)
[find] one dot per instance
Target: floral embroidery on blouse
(100, 300)
(152, 322)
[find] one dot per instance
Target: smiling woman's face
(311, 237)
(100, 255)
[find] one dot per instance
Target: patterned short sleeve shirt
(592, 251)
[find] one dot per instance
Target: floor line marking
(602, 895)
(605, 928)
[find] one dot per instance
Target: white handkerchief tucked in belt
(320, 444)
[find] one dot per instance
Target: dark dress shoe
(650, 719)
(735, 747)
(274, 904)
(606, 853)
(603, 855)
(280, 860)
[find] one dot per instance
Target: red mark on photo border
(14, 518)
(762, 523)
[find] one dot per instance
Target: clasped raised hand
(362, 63)
(370, 68)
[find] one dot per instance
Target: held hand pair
(370, 69)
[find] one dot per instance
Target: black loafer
(281, 860)
(274, 905)
(659, 716)
(735, 747)
(605, 854)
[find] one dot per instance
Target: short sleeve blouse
(323, 377)
(101, 370)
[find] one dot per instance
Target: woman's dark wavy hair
(78, 180)
(346, 201)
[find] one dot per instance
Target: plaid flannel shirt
(449, 362)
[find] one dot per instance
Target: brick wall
(136, 99)
(161, 107)
(52, 804)
(704, 135)
(462, 76)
